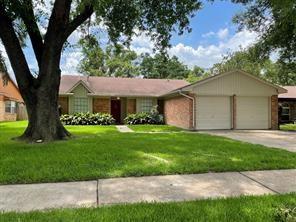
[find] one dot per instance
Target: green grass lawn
(255, 209)
(102, 152)
(288, 127)
(154, 128)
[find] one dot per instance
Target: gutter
(193, 105)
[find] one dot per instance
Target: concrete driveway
(270, 138)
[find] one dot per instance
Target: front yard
(154, 128)
(264, 208)
(101, 152)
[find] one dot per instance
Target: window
(10, 107)
(146, 105)
(80, 105)
(285, 110)
(285, 115)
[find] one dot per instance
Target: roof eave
(120, 95)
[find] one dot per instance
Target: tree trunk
(44, 122)
(43, 114)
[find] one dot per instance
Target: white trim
(77, 84)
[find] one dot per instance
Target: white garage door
(252, 113)
(213, 112)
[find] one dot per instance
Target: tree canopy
(162, 66)
(275, 22)
(116, 60)
(119, 61)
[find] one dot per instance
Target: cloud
(207, 55)
(208, 34)
(202, 55)
(70, 61)
(142, 43)
(223, 33)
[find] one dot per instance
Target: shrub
(88, 119)
(153, 117)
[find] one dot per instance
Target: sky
(213, 35)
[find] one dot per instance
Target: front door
(115, 110)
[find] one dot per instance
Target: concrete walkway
(270, 138)
(151, 188)
(124, 129)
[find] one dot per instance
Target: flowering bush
(88, 119)
(153, 117)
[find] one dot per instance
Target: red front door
(115, 110)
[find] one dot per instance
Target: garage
(213, 112)
(231, 100)
(252, 112)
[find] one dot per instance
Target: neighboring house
(287, 105)
(12, 106)
(232, 100)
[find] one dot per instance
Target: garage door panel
(252, 113)
(213, 112)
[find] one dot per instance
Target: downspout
(193, 106)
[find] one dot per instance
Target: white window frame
(146, 104)
(10, 107)
(80, 105)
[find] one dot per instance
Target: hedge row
(88, 119)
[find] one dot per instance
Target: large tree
(122, 18)
(162, 66)
(116, 60)
(275, 22)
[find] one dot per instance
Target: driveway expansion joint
(262, 184)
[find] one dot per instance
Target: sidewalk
(152, 188)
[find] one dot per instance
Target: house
(117, 96)
(287, 105)
(232, 100)
(12, 106)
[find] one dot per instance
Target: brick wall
(63, 102)
(131, 106)
(274, 112)
(10, 117)
(101, 105)
(178, 112)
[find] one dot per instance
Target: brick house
(12, 106)
(287, 105)
(232, 100)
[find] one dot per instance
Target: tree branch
(78, 20)
(54, 41)
(27, 15)
(58, 21)
(14, 51)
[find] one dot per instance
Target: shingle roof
(111, 86)
(291, 94)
